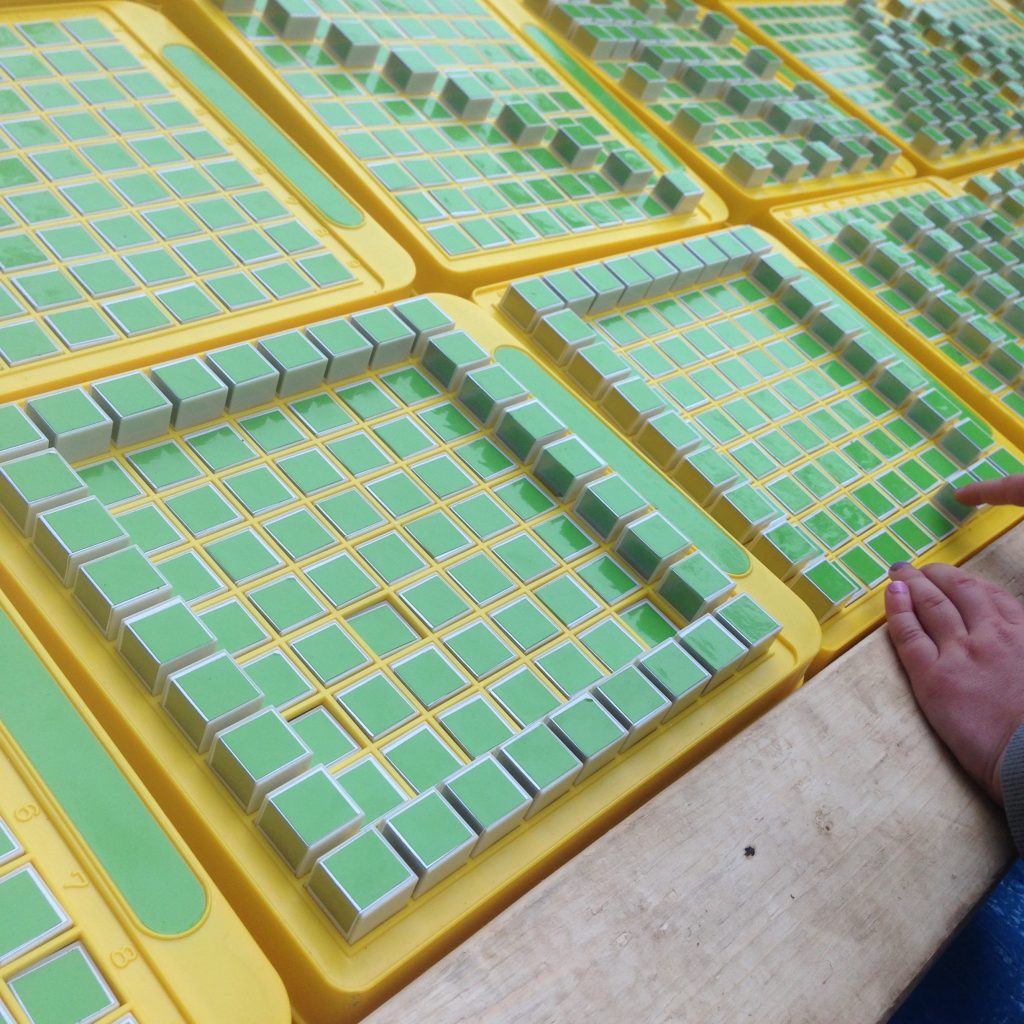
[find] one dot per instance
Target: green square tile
(19, 250)
(612, 645)
(524, 556)
(480, 649)
(286, 604)
(136, 315)
(243, 555)
(39, 207)
(258, 489)
(476, 726)
(430, 676)
(350, 512)
(608, 579)
(324, 735)
(164, 465)
(382, 629)
(321, 414)
(435, 601)
(447, 421)
(236, 291)
(399, 494)
(404, 437)
(567, 600)
(524, 696)
(329, 653)
(359, 453)
(29, 914)
(483, 515)
(564, 537)
(300, 534)
(525, 624)
(149, 529)
(47, 289)
(373, 791)
(648, 623)
(109, 482)
(278, 680)
(539, 761)
(376, 705)
(22, 342)
(442, 476)
(235, 629)
(410, 385)
(367, 400)
(66, 986)
(391, 557)
(568, 668)
(484, 458)
(310, 471)
(422, 758)
(220, 448)
(437, 534)
(307, 817)
(272, 431)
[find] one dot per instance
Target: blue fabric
(979, 979)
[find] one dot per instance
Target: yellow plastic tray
(845, 68)
(348, 117)
(328, 978)
(148, 208)
(726, 129)
(767, 410)
(133, 923)
(970, 373)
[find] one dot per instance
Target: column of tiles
(47, 970)
(707, 85)
(799, 425)
(82, 868)
(945, 263)
(943, 79)
(481, 149)
(128, 210)
(393, 601)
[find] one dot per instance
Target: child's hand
(1007, 490)
(961, 641)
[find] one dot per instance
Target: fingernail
(899, 587)
(898, 567)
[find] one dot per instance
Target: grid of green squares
(65, 984)
(123, 209)
(951, 268)
(484, 147)
(946, 78)
(773, 403)
(378, 533)
(713, 87)
(361, 604)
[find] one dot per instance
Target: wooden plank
(870, 846)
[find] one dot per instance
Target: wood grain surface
(807, 871)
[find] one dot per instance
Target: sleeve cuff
(1012, 777)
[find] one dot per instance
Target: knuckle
(1004, 635)
(904, 628)
(976, 648)
(931, 601)
(966, 584)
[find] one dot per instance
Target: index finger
(1007, 490)
(939, 617)
(972, 597)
